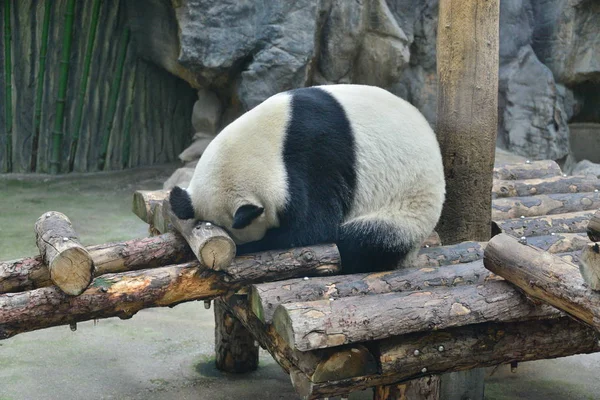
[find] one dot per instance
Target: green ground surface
(166, 353)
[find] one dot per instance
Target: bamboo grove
(76, 96)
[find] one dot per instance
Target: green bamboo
(57, 134)
(128, 118)
(39, 92)
(83, 84)
(113, 97)
(8, 85)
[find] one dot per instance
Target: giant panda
(347, 164)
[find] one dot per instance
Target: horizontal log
(70, 265)
(265, 297)
(31, 273)
(124, 294)
(320, 365)
(544, 277)
(589, 266)
(145, 201)
(533, 170)
(459, 253)
(575, 222)
(463, 348)
(593, 227)
(555, 184)
(324, 323)
(546, 204)
(559, 243)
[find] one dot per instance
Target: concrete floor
(163, 354)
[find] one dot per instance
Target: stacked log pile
(337, 334)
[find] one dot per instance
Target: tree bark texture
(234, 345)
(70, 265)
(147, 203)
(319, 365)
(265, 298)
(467, 108)
(589, 266)
(325, 323)
(575, 222)
(464, 252)
(31, 273)
(545, 204)
(593, 227)
(544, 277)
(124, 294)
(555, 184)
(427, 388)
(464, 348)
(534, 170)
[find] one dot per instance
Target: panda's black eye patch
(245, 215)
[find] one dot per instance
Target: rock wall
(242, 51)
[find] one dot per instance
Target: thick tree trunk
(467, 66)
(545, 204)
(534, 170)
(31, 273)
(590, 266)
(544, 277)
(234, 345)
(266, 297)
(70, 265)
(124, 294)
(593, 227)
(325, 323)
(556, 184)
(543, 225)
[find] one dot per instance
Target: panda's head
(243, 217)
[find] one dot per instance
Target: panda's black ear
(245, 214)
(181, 203)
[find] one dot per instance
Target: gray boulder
(586, 167)
(206, 113)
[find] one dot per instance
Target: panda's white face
(243, 166)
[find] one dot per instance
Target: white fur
(400, 177)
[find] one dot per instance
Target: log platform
(459, 307)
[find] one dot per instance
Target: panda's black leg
(372, 246)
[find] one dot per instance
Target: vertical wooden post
(467, 114)
(235, 348)
(427, 388)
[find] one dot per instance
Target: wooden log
(544, 277)
(589, 266)
(320, 365)
(464, 348)
(146, 201)
(533, 170)
(124, 294)
(593, 227)
(546, 204)
(31, 273)
(575, 222)
(235, 348)
(265, 297)
(70, 265)
(555, 184)
(324, 323)
(459, 253)
(559, 243)
(427, 388)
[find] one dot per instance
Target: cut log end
(72, 271)
(590, 266)
(217, 252)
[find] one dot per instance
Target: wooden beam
(545, 204)
(555, 184)
(544, 277)
(543, 169)
(70, 265)
(31, 273)
(575, 222)
(324, 323)
(265, 297)
(124, 294)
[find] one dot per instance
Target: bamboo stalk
(8, 85)
(113, 97)
(128, 117)
(83, 84)
(39, 93)
(57, 134)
